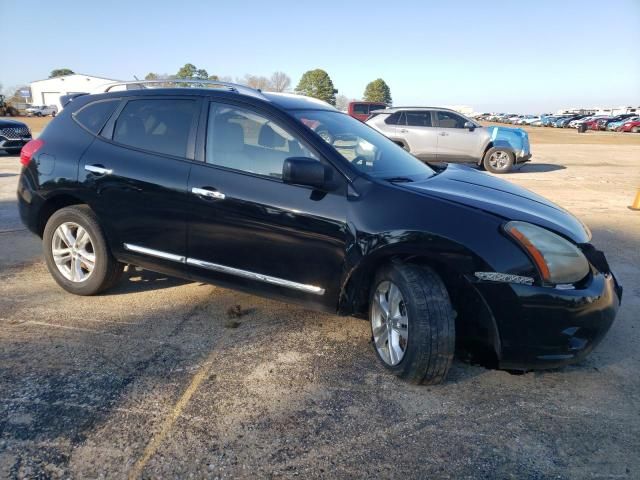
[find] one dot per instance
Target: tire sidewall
(82, 217)
(487, 164)
(416, 325)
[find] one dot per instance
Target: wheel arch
(52, 205)
(478, 337)
(496, 143)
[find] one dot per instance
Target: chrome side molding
(255, 276)
(225, 269)
(155, 253)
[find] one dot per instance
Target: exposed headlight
(558, 260)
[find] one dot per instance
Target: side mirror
(305, 171)
(470, 126)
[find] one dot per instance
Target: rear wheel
(498, 160)
(635, 129)
(412, 323)
(76, 252)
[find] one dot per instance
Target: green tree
(60, 72)
(191, 72)
(317, 84)
(152, 76)
(378, 91)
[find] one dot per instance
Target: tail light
(29, 150)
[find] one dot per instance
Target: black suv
(284, 196)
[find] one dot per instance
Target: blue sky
(521, 56)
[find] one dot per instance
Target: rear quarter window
(94, 115)
(393, 119)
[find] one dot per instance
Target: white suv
(42, 110)
(442, 135)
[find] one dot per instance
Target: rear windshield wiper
(399, 179)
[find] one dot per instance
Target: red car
(593, 123)
(632, 126)
(361, 110)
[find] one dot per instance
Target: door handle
(98, 169)
(443, 134)
(205, 192)
(404, 130)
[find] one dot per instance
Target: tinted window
(95, 115)
(450, 120)
(366, 149)
(418, 119)
(361, 108)
(157, 125)
(245, 140)
(393, 119)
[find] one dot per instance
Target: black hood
(480, 190)
(4, 123)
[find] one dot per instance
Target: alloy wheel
(389, 323)
(73, 252)
(499, 160)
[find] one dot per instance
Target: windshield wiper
(399, 179)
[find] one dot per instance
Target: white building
(463, 109)
(617, 110)
(48, 92)
(600, 110)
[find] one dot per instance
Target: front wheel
(498, 160)
(77, 254)
(412, 323)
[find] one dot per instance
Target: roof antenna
(136, 77)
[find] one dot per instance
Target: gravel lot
(155, 380)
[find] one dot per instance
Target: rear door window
(157, 125)
(94, 115)
(418, 119)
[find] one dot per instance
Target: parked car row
(628, 122)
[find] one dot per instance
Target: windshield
(362, 146)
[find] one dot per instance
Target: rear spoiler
(66, 99)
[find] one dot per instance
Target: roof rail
(141, 84)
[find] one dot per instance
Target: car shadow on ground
(538, 168)
(136, 279)
(4, 175)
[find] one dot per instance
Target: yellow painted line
(170, 420)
